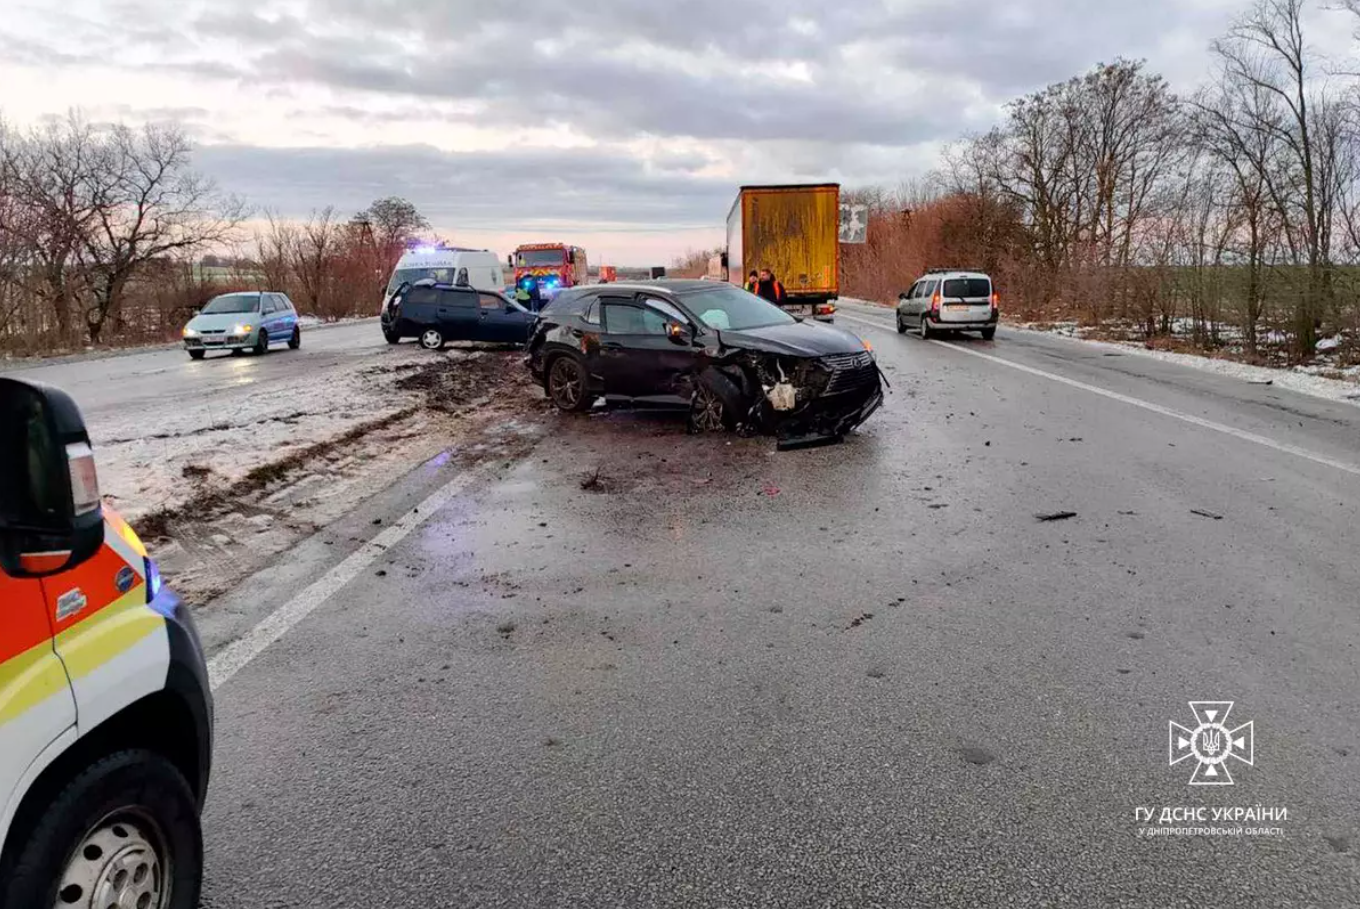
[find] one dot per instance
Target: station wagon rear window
(967, 288)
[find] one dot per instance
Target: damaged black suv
(735, 361)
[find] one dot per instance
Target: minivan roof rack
(936, 270)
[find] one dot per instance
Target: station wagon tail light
(84, 478)
(935, 303)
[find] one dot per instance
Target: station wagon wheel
(431, 339)
(567, 384)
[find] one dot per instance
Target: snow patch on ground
(1302, 379)
(153, 457)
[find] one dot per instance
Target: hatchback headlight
(242, 329)
(190, 332)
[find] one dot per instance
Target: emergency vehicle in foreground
(553, 266)
(105, 705)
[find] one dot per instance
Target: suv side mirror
(51, 515)
(679, 333)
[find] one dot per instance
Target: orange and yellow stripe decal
(90, 644)
(28, 679)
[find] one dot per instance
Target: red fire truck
(553, 266)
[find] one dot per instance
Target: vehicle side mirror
(679, 333)
(51, 515)
(903, 296)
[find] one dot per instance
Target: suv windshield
(230, 303)
(967, 288)
(730, 308)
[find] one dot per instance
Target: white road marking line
(236, 655)
(1242, 434)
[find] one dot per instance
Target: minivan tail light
(935, 303)
(996, 300)
(84, 478)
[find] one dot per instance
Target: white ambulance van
(478, 268)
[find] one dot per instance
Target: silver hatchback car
(949, 300)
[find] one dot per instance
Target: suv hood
(801, 339)
(222, 321)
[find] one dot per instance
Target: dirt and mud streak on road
(471, 405)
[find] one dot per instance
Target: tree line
(108, 235)
(1108, 198)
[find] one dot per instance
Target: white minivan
(478, 268)
(949, 300)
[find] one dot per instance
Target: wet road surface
(864, 675)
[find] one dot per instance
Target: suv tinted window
(967, 288)
(628, 319)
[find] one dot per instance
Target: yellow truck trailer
(791, 230)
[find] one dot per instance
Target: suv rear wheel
(567, 384)
(125, 832)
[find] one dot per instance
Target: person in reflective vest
(769, 288)
(752, 281)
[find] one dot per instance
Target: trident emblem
(1211, 743)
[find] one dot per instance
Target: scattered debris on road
(1206, 514)
(860, 620)
(1055, 516)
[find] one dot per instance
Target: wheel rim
(431, 339)
(708, 411)
(924, 329)
(119, 864)
(566, 384)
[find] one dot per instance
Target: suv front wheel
(125, 832)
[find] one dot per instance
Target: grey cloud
(470, 189)
(248, 26)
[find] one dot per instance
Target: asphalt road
(152, 379)
(864, 675)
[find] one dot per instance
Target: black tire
(130, 796)
(196, 355)
(261, 343)
(988, 333)
(236, 351)
(391, 337)
(568, 385)
(925, 329)
(296, 340)
(432, 339)
(712, 406)
(901, 326)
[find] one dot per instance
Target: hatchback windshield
(967, 288)
(730, 308)
(229, 303)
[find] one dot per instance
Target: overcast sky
(621, 125)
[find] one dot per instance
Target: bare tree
(1266, 51)
(148, 205)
